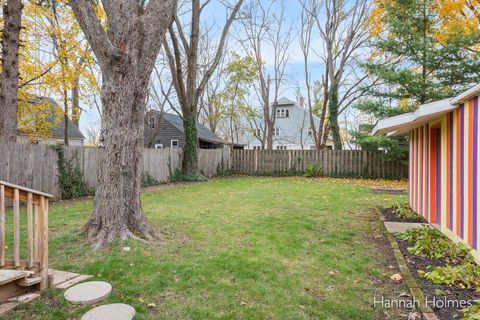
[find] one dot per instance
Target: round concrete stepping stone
(88, 292)
(115, 311)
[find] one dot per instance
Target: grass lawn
(237, 248)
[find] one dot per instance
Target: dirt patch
(390, 215)
(389, 290)
(448, 298)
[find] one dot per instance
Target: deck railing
(37, 230)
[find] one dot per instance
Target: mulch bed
(391, 216)
(439, 292)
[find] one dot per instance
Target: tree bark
(9, 77)
(333, 117)
(190, 151)
(118, 211)
(126, 54)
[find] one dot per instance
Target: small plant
(179, 175)
(466, 275)
(147, 180)
(472, 313)
(403, 210)
(431, 243)
(314, 171)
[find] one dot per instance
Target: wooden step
(24, 298)
(7, 307)
(28, 282)
(7, 276)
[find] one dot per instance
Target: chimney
(302, 102)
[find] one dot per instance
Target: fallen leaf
(151, 305)
(396, 277)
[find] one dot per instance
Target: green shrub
(147, 180)
(466, 275)
(314, 171)
(431, 243)
(403, 210)
(179, 175)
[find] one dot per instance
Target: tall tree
(262, 29)
(342, 30)
(182, 55)
(413, 64)
(9, 77)
(126, 53)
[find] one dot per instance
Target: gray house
(292, 128)
(165, 130)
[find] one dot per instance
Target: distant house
(165, 130)
(292, 129)
(57, 132)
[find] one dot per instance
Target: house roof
(203, 132)
(59, 130)
(283, 101)
(424, 114)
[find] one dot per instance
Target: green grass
(245, 248)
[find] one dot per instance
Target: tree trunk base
(102, 235)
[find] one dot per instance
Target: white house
(292, 129)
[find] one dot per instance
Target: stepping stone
(398, 227)
(88, 292)
(115, 311)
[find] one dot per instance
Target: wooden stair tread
(25, 298)
(27, 282)
(7, 276)
(7, 307)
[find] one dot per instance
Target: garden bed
(452, 296)
(390, 215)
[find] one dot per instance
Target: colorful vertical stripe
(444, 172)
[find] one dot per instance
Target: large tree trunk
(118, 211)
(126, 54)
(9, 78)
(333, 117)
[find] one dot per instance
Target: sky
(215, 12)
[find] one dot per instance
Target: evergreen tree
(413, 65)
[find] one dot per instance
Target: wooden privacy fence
(36, 166)
(343, 163)
(36, 232)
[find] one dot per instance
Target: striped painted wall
(445, 172)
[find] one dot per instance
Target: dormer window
(283, 113)
(151, 121)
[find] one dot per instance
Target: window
(257, 147)
(283, 113)
(281, 147)
(258, 133)
(159, 146)
(310, 132)
(276, 132)
(151, 121)
(174, 143)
